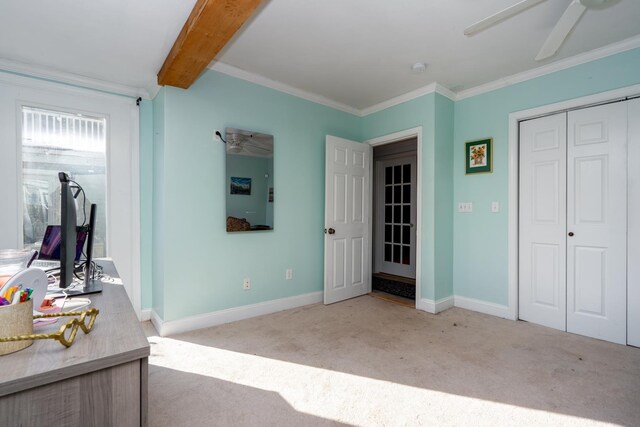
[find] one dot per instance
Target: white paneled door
(597, 222)
(347, 248)
(543, 210)
(573, 221)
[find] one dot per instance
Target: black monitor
(68, 230)
(89, 282)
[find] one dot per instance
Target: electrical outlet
(465, 207)
(215, 136)
(289, 274)
(246, 284)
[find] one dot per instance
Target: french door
(573, 219)
(395, 238)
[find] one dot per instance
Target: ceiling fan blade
(503, 14)
(567, 21)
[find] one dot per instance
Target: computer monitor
(68, 231)
(88, 265)
(50, 248)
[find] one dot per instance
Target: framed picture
(241, 186)
(478, 156)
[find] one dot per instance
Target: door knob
(331, 231)
(571, 234)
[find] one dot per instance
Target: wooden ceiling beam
(209, 27)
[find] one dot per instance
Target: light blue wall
(434, 113)
(444, 155)
(462, 254)
(480, 238)
(200, 264)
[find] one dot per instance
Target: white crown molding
(563, 64)
(281, 87)
(232, 314)
(612, 49)
(71, 79)
(425, 90)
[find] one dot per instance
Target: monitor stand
(92, 287)
(76, 289)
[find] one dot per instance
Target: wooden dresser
(101, 380)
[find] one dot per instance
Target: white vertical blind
(62, 130)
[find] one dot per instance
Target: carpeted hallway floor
(368, 362)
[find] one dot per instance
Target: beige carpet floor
(368, 362)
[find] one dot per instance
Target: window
(54, 141)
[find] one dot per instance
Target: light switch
(495, 207)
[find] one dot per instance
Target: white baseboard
(232, 314)
(434, 307)
(156, 321)
(145, 314)
(483, 307)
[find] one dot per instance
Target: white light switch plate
(495, 207)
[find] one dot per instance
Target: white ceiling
(354, 52)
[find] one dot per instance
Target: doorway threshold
(396, 285)
(401, 279)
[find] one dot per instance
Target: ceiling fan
(248, 143)
(567, 21)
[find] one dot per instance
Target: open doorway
(394, 210)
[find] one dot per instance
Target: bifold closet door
(597, 222)
(633, 221)
(542, 221)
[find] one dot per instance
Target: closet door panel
(596, 222)
(633, 274)
(542, 221)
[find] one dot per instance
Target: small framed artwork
(240, 186)
(478, 156)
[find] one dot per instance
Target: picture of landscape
(241, 186)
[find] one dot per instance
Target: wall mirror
(249, 180)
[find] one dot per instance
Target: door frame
(513, 159)
(389, 139)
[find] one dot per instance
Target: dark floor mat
(393, 287)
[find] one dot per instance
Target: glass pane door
(52, 142)
(395, 216)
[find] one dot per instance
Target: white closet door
(542, 285)
(633, 257)
(597, 222)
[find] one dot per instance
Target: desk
(100, 380)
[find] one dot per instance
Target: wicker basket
(15, 320)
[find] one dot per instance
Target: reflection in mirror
(249, 170)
